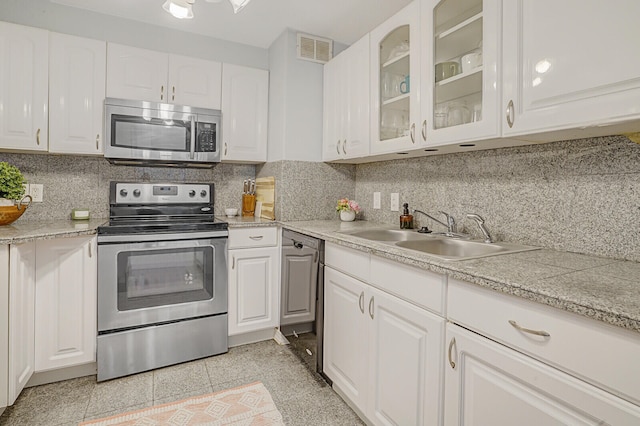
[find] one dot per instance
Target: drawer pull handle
(256, 237)
(361, 302)
(371, 307)
(528, 330)
(452, 343)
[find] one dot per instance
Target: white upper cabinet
(460, 70)
(347, 103)
(395, 82)
(569, 65)
(24, 74)
(245, 105)
(77, 68)
(134, 73)
(194, 82)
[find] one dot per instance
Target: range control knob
(192, 193)
(123, 192)
(203, 193)
(136, 192)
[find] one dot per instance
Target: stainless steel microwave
(141, 132)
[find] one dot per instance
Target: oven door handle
(141, 238)
(192, 146)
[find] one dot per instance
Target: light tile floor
(302, 396)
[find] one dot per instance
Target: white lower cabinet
(254, 280)
(66, 307)
(382, 353)
(51, 308)
(489, 384)
(22, 286)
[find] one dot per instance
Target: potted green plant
(11, 181)
(12, 198)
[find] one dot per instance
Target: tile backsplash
(307, 190)
(580, 196)
(75, 181)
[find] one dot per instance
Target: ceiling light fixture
(180, 9)
(238, 5)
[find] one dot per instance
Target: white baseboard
(44, 377)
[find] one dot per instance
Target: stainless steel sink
(452, 249)
(388, 235)
(444, 248)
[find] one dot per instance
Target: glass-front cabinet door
(395, 52)
(460, 48)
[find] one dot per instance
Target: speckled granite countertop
(24, 231)
(604, 289)
(596, 287)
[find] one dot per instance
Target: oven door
(160, 278)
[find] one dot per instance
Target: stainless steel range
(162, 278)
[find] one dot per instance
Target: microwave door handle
(192, 147)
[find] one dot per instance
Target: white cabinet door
(559, 77)
(489, 384)
(76, 95)
(332, 108)
(245, 102)
(395, 57)
(254, 289)
(4, 325)
(194, 82)
(134, 73)
(24, 83)
(463, 107)
(405, 362)
(356, 123)
(346, 335)
(66, 307)
(22, 280)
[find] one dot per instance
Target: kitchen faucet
(480, 221)
(450, 225)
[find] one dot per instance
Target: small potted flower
(348, 209)
(11, 193)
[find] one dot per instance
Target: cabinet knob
(161, 93)
(38, 137)
(424, 130)
(338, 147)
(413, 133)
(98, 141)
(344, 147)
(361, 301)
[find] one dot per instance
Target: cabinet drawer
(350, 261)
(604, 355)
(253, 237)
(424, 288)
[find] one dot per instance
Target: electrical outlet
(395, 202)
(376, 200)
(36, 190)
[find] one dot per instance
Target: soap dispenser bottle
(406, 219)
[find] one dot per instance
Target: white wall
(69, 20)
(277, 98)
(295, 104)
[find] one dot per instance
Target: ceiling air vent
(315, 49)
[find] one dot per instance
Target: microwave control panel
(206, 140)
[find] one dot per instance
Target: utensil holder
(248, 205)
